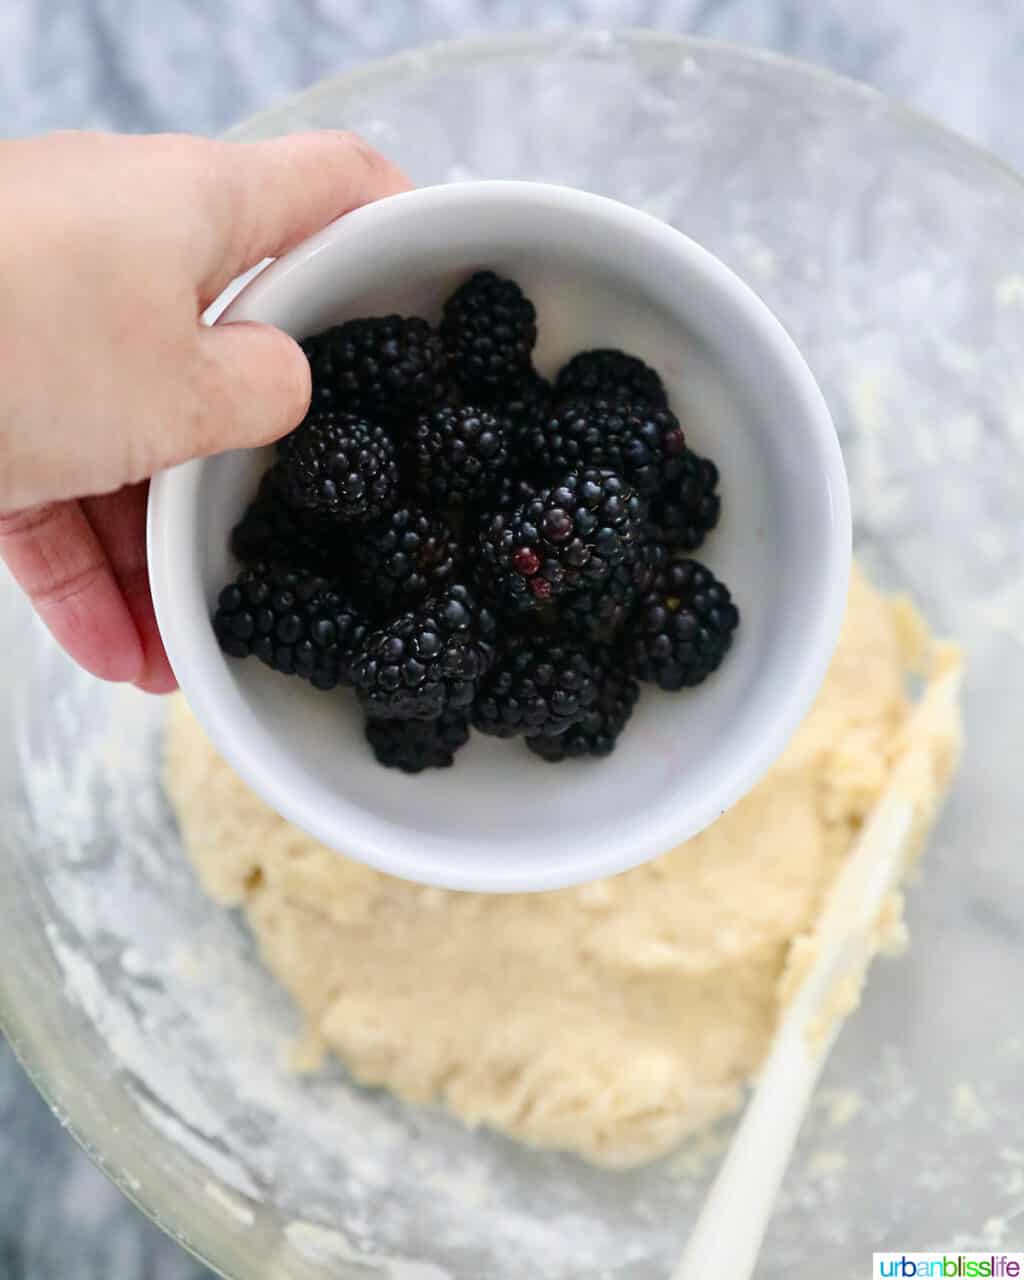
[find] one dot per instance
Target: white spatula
(729, 1232)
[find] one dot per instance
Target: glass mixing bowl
(894, 253)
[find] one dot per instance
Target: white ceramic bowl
(601, 274)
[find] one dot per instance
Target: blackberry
(535, 688)
(438, 475)
(568, 538)
(598, 731)
(415, 745)
(523, 408)
(512, 489)
(428, 660)
(294, 622)
(340, 465)
(520, 406)
(381, 365)
(607, 373)
(636, 440)
(272, 530)
(402, 557)
(602, 612)
(683, 628)
(687, 507)
(458, 453)
(488, 329)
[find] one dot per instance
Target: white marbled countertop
(184, 64)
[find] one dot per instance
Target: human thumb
(254, 386)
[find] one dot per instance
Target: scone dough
(613, 1019)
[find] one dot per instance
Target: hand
(110, 250)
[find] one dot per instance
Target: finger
(119, 523)
(253, 386)
(57, 559)
(267, 196)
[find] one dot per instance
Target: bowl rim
(201, 1231)
(440, 54)
(232, 724)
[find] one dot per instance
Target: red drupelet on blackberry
(488, 330)
(683, 628)
(428, 660)
(381, 365)
(568, 538)
(686, 507)
(341, 466)
(415, 745)
(295, 622)
(632, 438)
(606, 372)
(598, 731)
(398, 560)
(535, 688)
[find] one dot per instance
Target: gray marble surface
(140, 65)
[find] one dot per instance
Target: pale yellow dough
(613, 1019)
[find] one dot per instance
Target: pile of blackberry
(467, 545)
